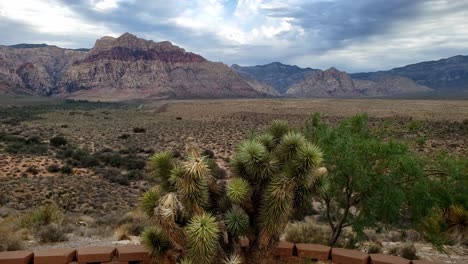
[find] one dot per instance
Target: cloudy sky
(352, 35)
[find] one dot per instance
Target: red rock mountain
(120, 68)
(335, 83)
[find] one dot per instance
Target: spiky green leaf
(254, 161)
(149, 201)
(237, 222)
(238, 190)
(161, 165)
(276, 205)
(155, 241)
(278, 129)
(290, 145)
(202, 238)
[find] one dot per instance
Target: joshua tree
(201, 219)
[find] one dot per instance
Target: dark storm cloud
(353, 35)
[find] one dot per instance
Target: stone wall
(298, 253)
(133, 254)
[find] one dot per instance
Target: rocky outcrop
(335, 83)
(129, 67)
(277, 75)
(121, 68)
(34, 70)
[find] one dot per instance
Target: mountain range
(129, 67)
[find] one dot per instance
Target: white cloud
(50, 17)
(363, 35)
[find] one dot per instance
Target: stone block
(16, 257)
(387, 259)
(346, 256)
(313, 251)
(54, 256)
(132, 253)
(95, 254)
(284, 249)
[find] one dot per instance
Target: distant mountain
(277, 75)
(28, 46)
(443, 75)
(129, 67)
(120, 68)
(335, 83)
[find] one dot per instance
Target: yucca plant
(206, 217)
(155, 241)
(202, 238)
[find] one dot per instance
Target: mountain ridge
(128, 67)
(120, 68)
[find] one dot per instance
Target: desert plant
(40, 217)
(9, 241)
(51, 233)
(307, 231)
(273, 172)
(156, 241)
(53, 168)
(139, 130)
(361, 168)
(408, 251)
(374, 248)
(149, 201)
(58, 141)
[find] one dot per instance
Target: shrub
(33, 170)
(307, 231)
(116, 176)
(139, 130)
(208, 153)
(58, 141)
(374, 248)
(414, 125)
(408, 251)
(67, 169)
(40, 217)
(51, 233)
(9, 241)
(53, 168)
(393, 251)
(124, 136)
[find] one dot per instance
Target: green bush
(40, 217)
(9, 241)
(51, 233)
(66, 169)
(58, 141)
(374, 248)
(139, 130)
(307, 231)
(408, 251)
(53, 168)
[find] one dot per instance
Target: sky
(351, 35)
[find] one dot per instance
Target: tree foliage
(371, 181)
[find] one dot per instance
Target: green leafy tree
(200, 218)
(371, 181)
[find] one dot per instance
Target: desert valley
(140, 142)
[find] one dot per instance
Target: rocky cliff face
(277, 75)
(34, 70)
(335, 83)
(121, 68)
